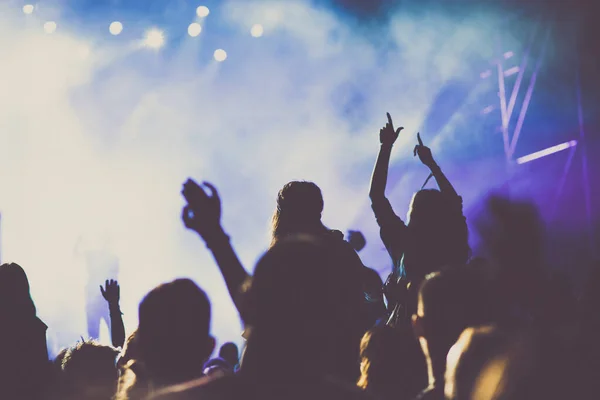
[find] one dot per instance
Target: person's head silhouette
(299, 208)
(173, 336)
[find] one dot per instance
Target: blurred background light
(194, 29)
(115, 28)
(220, 55)
(154, 39)
(50, 27)
(28, 8)
(257, 30)
(202, 11)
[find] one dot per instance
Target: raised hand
(424, 153)
(387, 134)
(111, 291)
(203, 212)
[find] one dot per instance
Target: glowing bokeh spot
(115, 28)
(194, 29)
(220, 55)
(50, 27)
(28, 9)
(257, 30)
(202, 11)
(154, 39)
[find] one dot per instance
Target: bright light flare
(257, 30)
(115, 28)
(202, 11)
(155, 39)
(50, 27)
(194, 29)
(28, 9)
(220, 55)
(546, 152)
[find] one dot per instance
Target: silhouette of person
(100, 264)
(24, 364)
(435, 236)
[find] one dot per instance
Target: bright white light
(202, 11)
(546, 152)
(194, 29)
(220, 55)
(257, 30)
(508, 55)
(50, 27)
(28, 9)
(115, 28)
(154, 39)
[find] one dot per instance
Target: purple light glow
(546, 152)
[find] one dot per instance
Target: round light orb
(194, 29)
(50, 27)
(202, 11)
(28, 8)
(115, 28)
(257, 30)
(220, 55)
(155, 39)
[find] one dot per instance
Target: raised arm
(203, 215)
(426, 158)
(387, 137)
(112, 294)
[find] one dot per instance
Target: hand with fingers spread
(203, 211)
(424, 153)
(111, 291)
(387, 134)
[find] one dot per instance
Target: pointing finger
(419, 139)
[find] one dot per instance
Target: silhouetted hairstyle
(299, 208)
(173, 332)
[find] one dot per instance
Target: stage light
(220, 55)
(511, 71)
(257, 30)
(194, 29)
(202, 11)
(154, 39)
(115, 28)
(50, 27)
(546, 152)
(28, 9)
(508, 55)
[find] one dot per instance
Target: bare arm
(229, 264)
(203, 215)
(426, 158)
(111, 293)
(387, 137)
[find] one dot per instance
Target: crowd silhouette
(319, 324)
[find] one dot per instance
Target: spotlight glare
(202, 11)
(50, 27)
(257, 30)
(194, 29)
(154, 39)
(28, 9)
(115, 28)
(220, 55)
